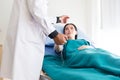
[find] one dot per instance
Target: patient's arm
(58, 48)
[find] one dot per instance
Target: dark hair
(74, 27)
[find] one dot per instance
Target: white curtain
(109, 26)
(110, 13)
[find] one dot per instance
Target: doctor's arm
(38, 10)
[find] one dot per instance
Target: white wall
(78, 10)
(5, 9)
(108, 35)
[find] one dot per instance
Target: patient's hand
(84, 47)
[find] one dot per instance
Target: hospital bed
(86, 64)
(49, 46)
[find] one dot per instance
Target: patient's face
(70, 31)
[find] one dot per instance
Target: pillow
(59, 28)
(49, 45)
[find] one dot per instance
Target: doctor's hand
(60, 39)
(64, 18)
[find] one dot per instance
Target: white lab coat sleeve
(53, 20)
(38, 10)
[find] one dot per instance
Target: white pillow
(59, 27)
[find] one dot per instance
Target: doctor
(24, 47)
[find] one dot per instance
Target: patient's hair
(70, 24)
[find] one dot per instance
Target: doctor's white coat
(24, 46)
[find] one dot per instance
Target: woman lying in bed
(81, 61)
(78, 52)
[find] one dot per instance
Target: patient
(80, 61)
(81, 49)
(70, 30)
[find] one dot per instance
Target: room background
(98, 19)
(78, 10)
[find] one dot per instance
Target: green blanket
(86, 64)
